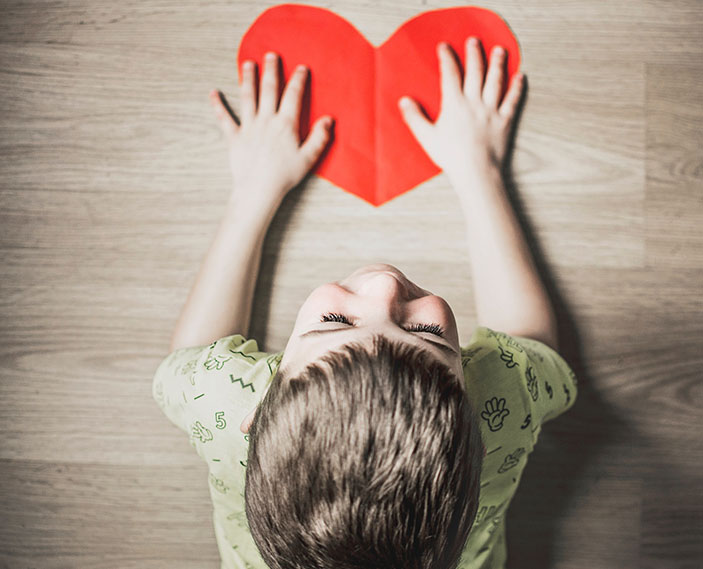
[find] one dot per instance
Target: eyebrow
(443, 347)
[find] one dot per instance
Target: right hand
(471, 128)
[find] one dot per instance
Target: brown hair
(371, 461)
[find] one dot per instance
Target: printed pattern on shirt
(516, 385)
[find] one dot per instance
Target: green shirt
(516, 385)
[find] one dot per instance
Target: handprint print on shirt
(511, 460)
(507, 357)
(218, 484)
(495, 413)
(201, 432)
(532, 385)
(216, 362)
(187, 367)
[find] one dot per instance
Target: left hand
(265, 155)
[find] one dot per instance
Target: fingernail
(248, 64)
(473, 41)
(301, 68)
(270, 56)
(328, 122)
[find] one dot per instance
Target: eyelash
(435, 329)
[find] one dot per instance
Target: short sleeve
(186, 374)
(550, 382)
(515, 384)
(515, 378)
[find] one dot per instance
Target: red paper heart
(373, 154)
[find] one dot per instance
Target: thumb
(416, 121)
(316, 141)
(224, 119)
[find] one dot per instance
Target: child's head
(376, 299)
(365, 453)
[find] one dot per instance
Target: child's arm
(267, 161)
(469, 142)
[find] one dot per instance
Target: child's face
(376, 299)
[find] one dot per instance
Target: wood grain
(112, 180)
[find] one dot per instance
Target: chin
(378, 267)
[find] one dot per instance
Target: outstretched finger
(248, 90)
(268, 96)
(292, 98)
(449, 71)
(473, 78)
(512, 97)
(315, 143)
(224, 119)
(419, 126)
(494, 78)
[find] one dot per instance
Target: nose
(385, 287)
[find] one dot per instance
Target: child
(374, 440)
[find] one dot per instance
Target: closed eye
(435, 329)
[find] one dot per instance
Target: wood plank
(113, 173)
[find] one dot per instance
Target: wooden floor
(112, 177)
